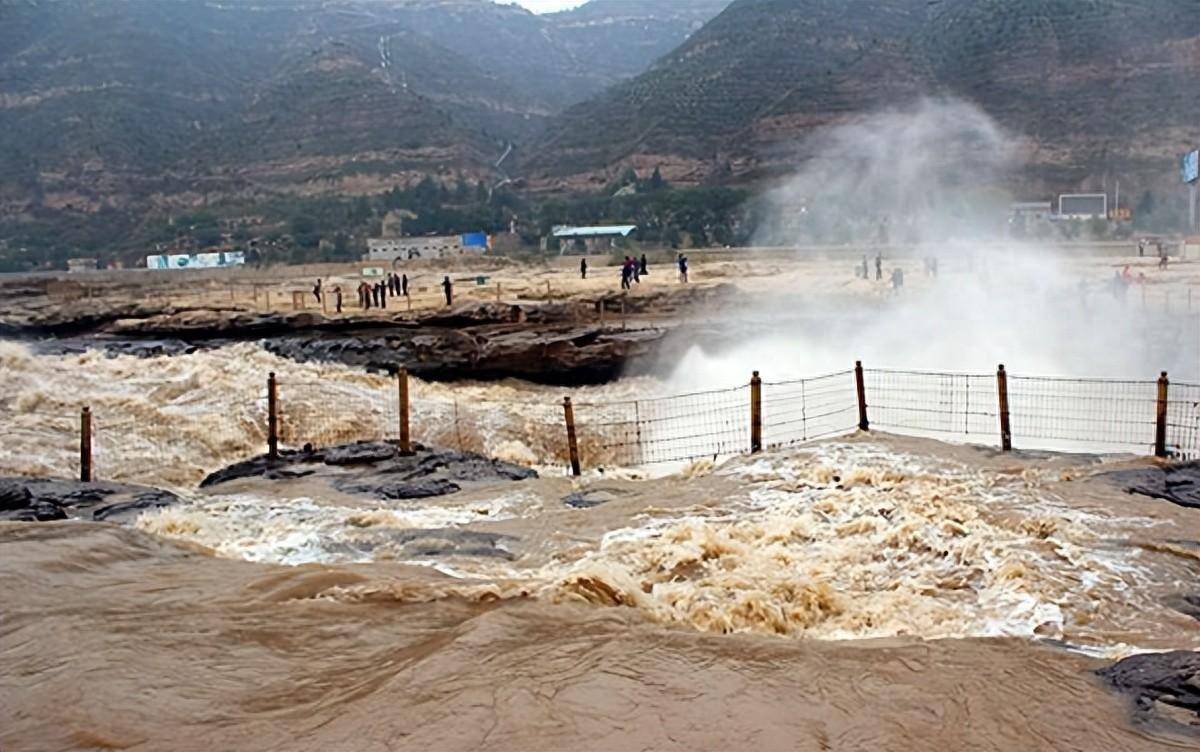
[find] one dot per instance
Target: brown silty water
(871, 592)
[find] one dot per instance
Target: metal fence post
(1002, 394)
(860, 387)
(402, 385)
(572, 445)
(755, 413)
(85, 445)
(1160, 418)
(272, 417)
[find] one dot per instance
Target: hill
(131, 104)
(1092, 84)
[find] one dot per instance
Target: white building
(430, 247)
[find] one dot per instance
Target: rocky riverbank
(556, 343)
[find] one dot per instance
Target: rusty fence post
(1160, 417)
(860, 387)
(572, 444)
(272, 417)
(755, 413)
(402, 385)
(1002, 396)
(85, 445)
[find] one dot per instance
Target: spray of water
(932, 183)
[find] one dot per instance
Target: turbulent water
(862, 593)
(171, 420)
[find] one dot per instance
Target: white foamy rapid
(839, 541)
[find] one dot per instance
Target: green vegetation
(284, 229)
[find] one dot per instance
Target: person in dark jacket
(448, 288)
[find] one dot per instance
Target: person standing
(636, 270)
(625, 274)
(383, 295)
(583, 268)
(644, 268)
(337, 297)
(317, 291)
(448, 287)
(404, 285)
(364, 295)
(879, 266)
(683, 268)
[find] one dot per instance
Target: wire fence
(665, 429)
(1043, 413)
(807, 409)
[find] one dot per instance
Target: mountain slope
(1092, 83)
(119, 102)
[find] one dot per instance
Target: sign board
(1083, 205)
(196, 260)
(1190, 166)
(372, 271)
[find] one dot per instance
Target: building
(1083, 206)
(82, 265)
(1032, 210)
(429, 247)
(593, 239)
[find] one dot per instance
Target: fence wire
(1183, 420)
(180, 442)
(531, 432)
(794, 412)
(665, 429)
(1108, 413)
(927, 402)
(328, 413)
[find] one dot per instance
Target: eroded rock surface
(1165, 687)
(379, 470)
(45, 499)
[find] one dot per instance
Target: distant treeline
(291, 229)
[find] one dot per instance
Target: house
(592, 239)
(429, 247)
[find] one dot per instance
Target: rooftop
(593, 232)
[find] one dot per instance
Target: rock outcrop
(46, 499)
(1178, 484)
(1165, 687)
(378, 470)
(554, 343)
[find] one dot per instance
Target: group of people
(318, 293)
(1163, 254)
(864, 271)
(369, 295)
(632, 271)
(896, 278)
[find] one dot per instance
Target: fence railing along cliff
(999, 409)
